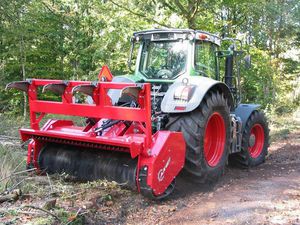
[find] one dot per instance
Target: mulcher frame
(161, 153)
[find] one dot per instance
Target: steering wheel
(164, 73)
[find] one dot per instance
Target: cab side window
(205, 61)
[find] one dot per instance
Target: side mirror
(247, 60)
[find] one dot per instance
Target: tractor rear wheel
(206, 131)
(255, 142)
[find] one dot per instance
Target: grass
(282, 126)
(9, 126)
(12, 159)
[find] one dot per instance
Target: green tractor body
(196, 89)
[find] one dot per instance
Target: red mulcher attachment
(115, 144)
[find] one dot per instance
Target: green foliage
(72, 39)
(258, 83)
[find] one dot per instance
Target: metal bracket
(56, 88)
(19, 85)
(132, 91)
(87, 89)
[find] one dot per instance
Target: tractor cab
(168, 56)
(165, 55)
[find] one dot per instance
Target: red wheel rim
(214, 139)
(257, 135)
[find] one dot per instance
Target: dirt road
(268, 194)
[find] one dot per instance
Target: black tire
(193, 126)
(246, 158)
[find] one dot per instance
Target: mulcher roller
(116, 143)
(88, 163)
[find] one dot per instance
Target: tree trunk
(23, 61)
(192, 23)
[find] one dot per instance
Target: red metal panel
(94, 111)
(122, 141)
(42, 82)
(166, 160)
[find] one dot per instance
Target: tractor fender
(244, 111)
(198, 87)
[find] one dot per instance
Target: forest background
(72, 39)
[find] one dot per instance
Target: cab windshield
(163, 59)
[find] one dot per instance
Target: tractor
(180, 112)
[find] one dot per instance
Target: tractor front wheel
(206, 131)
(255, 142)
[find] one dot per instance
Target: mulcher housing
(153, 151)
